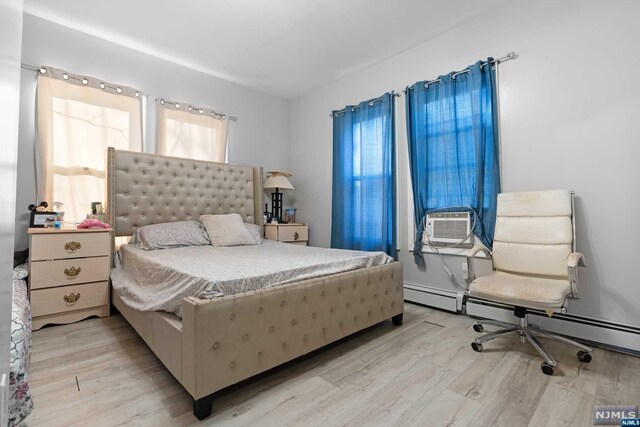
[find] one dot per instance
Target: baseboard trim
(604, 333)
(438, 298)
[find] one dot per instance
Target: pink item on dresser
(92, 223)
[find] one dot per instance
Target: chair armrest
(470, 266)
(575, 260)
(477, 249)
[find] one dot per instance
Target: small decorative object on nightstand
(69, 274)
(290, 215)
(288, 233)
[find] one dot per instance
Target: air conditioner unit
(449, 228)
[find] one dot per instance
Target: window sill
(463, 252)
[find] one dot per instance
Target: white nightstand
(69, 274)
(288, 233)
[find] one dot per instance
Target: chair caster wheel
(547, 369)
(476, 347)
(478, 327)
(584, 356)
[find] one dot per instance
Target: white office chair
(534, 266)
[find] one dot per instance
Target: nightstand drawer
(293, 233)
(69, 245)
(69, 298)
(46, 274)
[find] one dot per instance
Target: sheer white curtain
(190, 132)
(77, 119)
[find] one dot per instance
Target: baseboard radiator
(432, 297)
(604, 333)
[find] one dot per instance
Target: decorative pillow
(227, 230)
(170, 235)
(256, 232)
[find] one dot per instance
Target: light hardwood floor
(100, 373)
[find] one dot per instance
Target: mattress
(160, 279)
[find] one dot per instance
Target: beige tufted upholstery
(223, 341)
(532, 249)
(145, 189)
(230, 339)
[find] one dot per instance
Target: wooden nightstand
(288, 233)
(69, 274)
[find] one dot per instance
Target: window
(194, 133)
(370, 173)
(78, 118)
(363, 208)
(453, 147)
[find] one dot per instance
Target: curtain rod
(507, 57)
(40, 70)
(194, 110)
(371, 102)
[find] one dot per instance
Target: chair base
(533, 336)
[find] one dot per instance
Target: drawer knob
(72, 272)
(71, 298)
(296, 236)
(72, 246)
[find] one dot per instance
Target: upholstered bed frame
(223, 341)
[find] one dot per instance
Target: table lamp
(279, 181)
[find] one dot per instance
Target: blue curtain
(364, 163)
(452, 135)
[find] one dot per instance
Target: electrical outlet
(465, 270)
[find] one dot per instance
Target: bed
(221, 341)
(20, 403)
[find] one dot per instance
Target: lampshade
(278, 180)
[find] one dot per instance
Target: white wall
(570, 119)
(259, 137)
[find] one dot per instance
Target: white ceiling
(282, 47)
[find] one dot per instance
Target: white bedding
(160, 279)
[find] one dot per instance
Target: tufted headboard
(145, 189)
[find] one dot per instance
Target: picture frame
(42, 219)
(290, 215)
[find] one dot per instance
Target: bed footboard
(230, 339)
